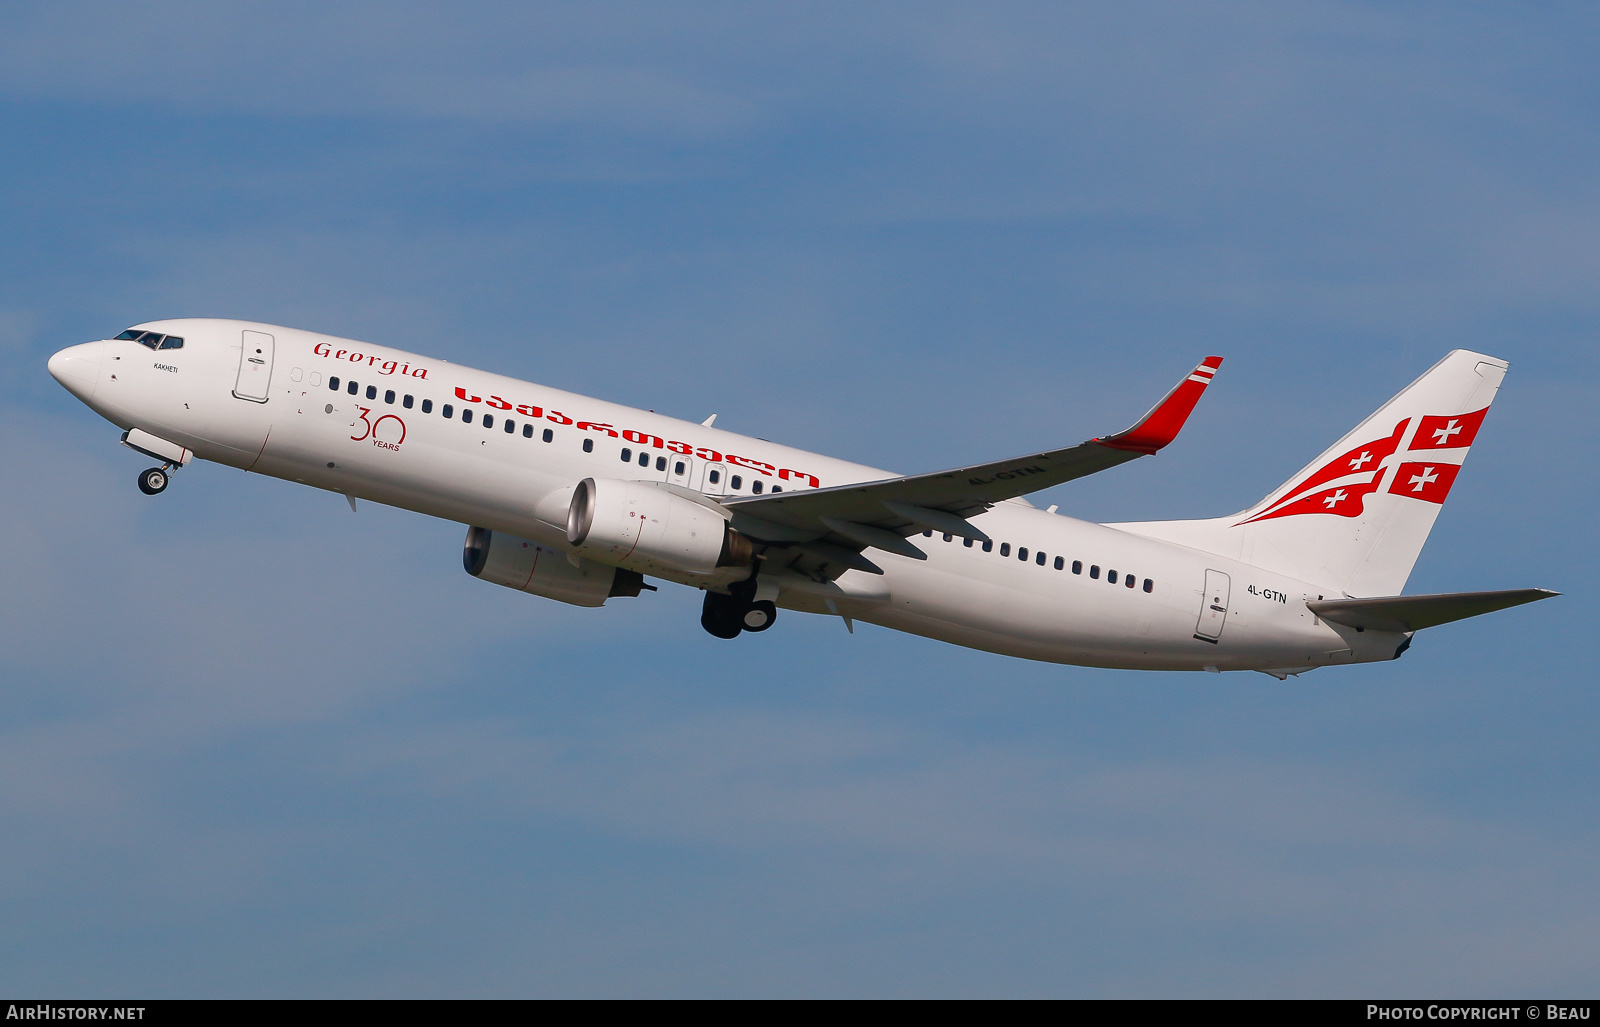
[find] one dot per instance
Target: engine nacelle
(531, 567)
(635, 524)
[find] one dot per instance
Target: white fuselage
(373, 446)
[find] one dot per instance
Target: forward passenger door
(255, 367)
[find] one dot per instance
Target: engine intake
(530, 567)
(637, 525)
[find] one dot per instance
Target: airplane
(578, 500)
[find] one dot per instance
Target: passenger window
(677, 469)
(661, 463)
(466, 416)
(588, 445)
(988, 545)
(549, 435)
(1077, 566)
(1005, 549)
(333, 382)
(388, 397)
(372, 392)
(316, 378)
(296, 374)
(1040, 559)
(406, 402)
(948, 536)
(527, 431)
(1022, 553)
(755, 486)
(736, 481)
(967, 542)
(448, 410)
(715, 476)
(627, 456)
(427, 406)
(511, 426)
(1149, 586)
(353, 388)
(172, 342)
(1060, 564)
(1094, 570)
(1111, 576)
(1130, 580)
(644, 459)
(488, 420)
(777, 488)
(928, 533)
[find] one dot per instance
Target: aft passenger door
(255, 367)
(1213, 607)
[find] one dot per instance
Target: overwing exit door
(715, 482)
(1213, 607)
(680, 470)
(255, 367)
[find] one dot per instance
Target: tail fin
(1355, 518)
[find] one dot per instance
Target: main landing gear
(154, 481)
(726, 615)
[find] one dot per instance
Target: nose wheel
(154, 481)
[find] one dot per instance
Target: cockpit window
(155, 340)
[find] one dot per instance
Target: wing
(842, 520)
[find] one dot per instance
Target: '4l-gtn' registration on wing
(579, 500)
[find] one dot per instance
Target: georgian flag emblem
(1342, 484)
(1448, 432)
(1427, 482)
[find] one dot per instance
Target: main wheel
(720, 615)
(153, 481)
(759, 615)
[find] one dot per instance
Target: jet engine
(530, 567)
(638, 525)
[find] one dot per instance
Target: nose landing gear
(154, 481)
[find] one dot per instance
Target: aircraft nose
(77, 368)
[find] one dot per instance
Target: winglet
(1162, 424)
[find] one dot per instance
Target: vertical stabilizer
(1355, 518)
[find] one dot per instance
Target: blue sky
(252, 744)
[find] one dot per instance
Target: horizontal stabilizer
(1413, 613)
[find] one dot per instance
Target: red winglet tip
(1162, 424)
